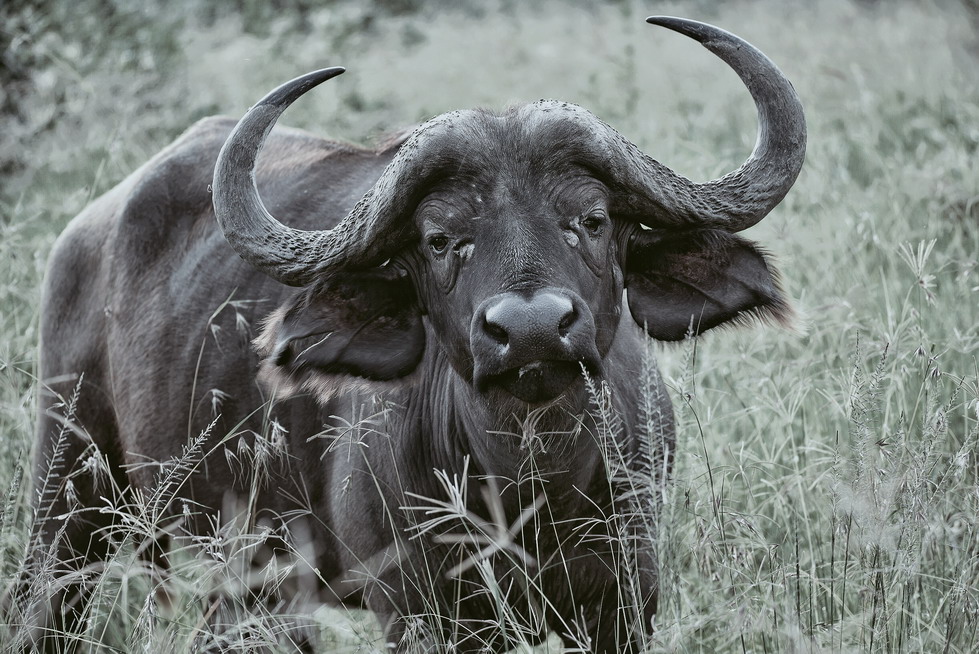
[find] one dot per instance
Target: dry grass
(825, 497)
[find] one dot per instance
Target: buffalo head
(513, 236)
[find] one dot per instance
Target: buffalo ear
(365, 324)
(687, 282)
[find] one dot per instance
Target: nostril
(496, 332)
(569, 319)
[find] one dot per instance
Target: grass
(825, 495)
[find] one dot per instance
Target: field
(826, 496)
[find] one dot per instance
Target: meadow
(826, 491)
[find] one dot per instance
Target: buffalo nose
(532, 344)
(535, 322)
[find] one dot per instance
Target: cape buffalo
(469, 316)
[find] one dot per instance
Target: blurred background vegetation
(826, 495)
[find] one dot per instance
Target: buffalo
(469, 307)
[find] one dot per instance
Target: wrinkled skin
(460, 355)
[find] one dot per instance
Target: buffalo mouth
(537, 381)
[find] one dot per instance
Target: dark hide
(364, 324)
(684, 283)
(145, 298)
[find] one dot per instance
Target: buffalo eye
(438, 243)
(592, 224)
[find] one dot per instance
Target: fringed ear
(687, 282)
(362, 324)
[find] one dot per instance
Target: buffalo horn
(743, 197)
(279, 251)
(642, 187)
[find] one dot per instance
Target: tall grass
(826, 486)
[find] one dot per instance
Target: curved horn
(367, 236)
(370, 233)
(743, 197)
(283, 253)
